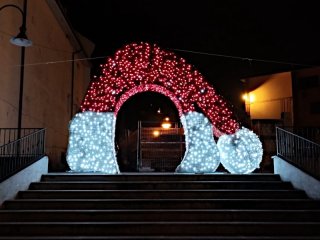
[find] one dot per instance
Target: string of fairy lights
(202, 154)
(144, 67)
(140, 64)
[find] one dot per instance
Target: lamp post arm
(23, 15)
(14, 6)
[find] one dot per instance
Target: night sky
(282, 31)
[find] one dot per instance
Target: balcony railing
(299, 151)
(16, 154)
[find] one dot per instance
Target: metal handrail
(301, 152)
(18, 154)
(310, 133)
(8, 135)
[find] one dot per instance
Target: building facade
(306, 97)
(288, 99)
(53, 84)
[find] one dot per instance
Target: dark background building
(225, 40)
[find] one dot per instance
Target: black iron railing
(16, 154)
(299, 151)
(310, 133)
(8, 135)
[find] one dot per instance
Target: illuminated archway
(148, 88)
(144, 67)
(151, 109)
(143, 64)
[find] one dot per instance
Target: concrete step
(159, 185)
(160, 229)
(163, 215)
(159, 177)
(162, 237)
(161, 194)
(162, 204)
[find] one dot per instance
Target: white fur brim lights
(240, 152)
(202, 154)
(91, 143)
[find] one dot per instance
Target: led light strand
(143, 64)
(91, 143)
(139, 68)
(202, 154)
(240, 152)
(148, 88)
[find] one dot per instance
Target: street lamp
(22, 41)
(166, 123)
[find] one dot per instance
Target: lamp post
(22, 41)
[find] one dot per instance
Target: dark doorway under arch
(145, 107)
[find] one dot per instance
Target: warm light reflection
(156, 133)
(251, 97)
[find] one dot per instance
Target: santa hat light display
(144, 67)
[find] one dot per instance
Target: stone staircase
(160, 206)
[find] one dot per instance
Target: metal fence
(310, 133)
(160, 149)
(8, 135)
(17, 154)
(300, 151)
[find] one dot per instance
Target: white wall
(21, 181)
(299, 179)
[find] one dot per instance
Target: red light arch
(145, 67)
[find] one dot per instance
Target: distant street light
(166, 124)
(22, 41)
(248, 97)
